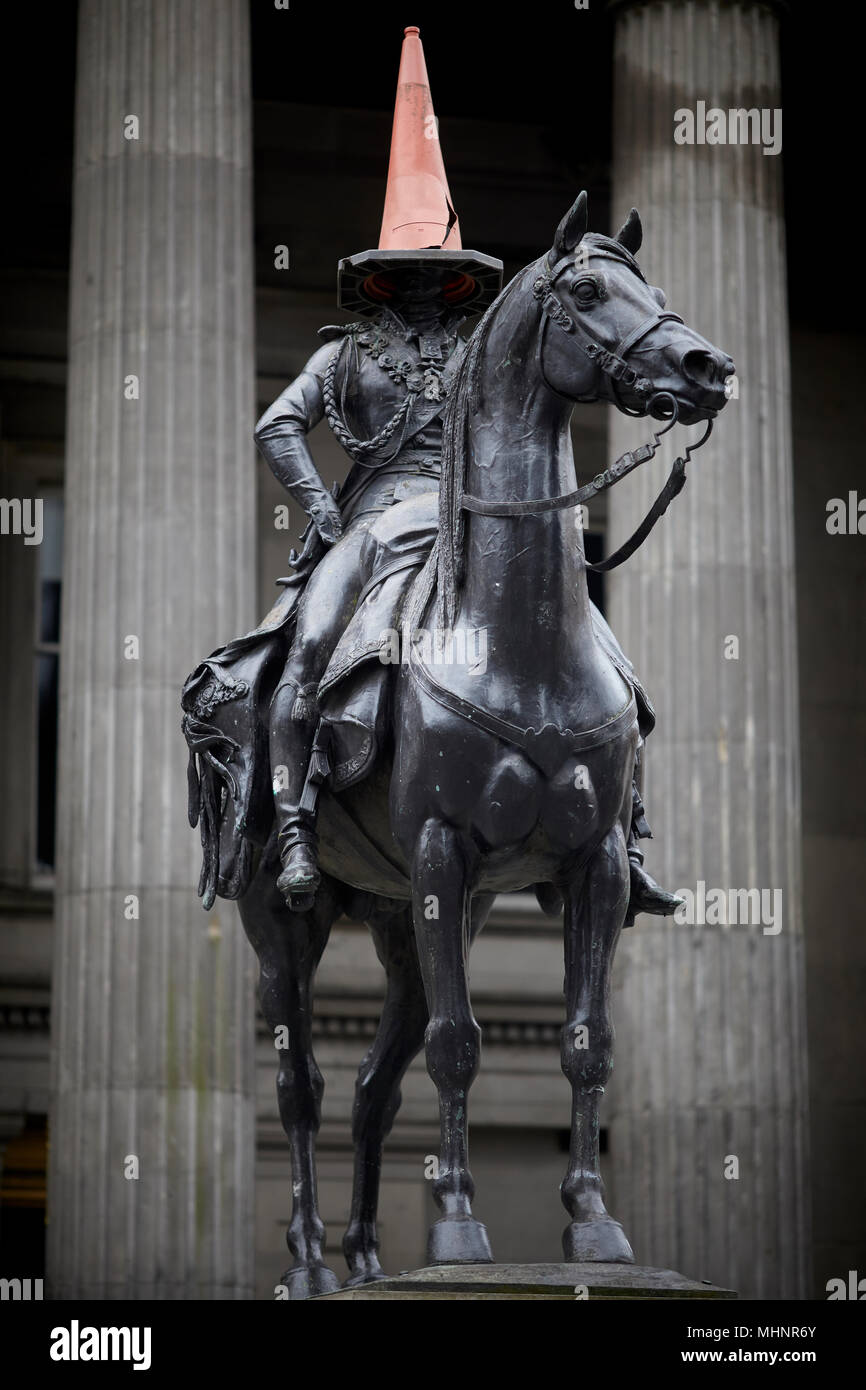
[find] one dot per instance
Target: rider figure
(403, 354)
(383, 387)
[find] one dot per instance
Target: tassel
(304, 708)
(320, 767)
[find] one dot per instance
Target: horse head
(606, 334)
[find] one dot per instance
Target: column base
(482, 1281)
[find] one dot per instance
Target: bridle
(610, 361)
(613, 363)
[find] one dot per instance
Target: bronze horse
(492, 780)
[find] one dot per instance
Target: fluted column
(151, 1173)
(708, 1137)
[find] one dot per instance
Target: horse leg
(377, 1090)
(440, 900)
(594, 913)
(289, 946)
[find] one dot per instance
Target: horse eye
(586, 289)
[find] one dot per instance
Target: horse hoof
(370, 1274)
(458, 1240)
(599, 1240)
(308, 1281)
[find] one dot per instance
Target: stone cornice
(331, 1026)
(501, 1031)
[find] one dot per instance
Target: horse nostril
(699, 367)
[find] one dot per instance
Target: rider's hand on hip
(326, 518)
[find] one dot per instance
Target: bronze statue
(356, 753)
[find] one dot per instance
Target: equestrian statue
(433, 711)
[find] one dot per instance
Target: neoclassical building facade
(134, 360)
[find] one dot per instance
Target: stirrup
(300, 875)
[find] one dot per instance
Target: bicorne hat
(419, 225)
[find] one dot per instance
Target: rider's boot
(292, 735)
(646, 895)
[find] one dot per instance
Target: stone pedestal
(528, 1282)
(709, 1098)
(152, 1122)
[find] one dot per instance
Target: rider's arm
(281, 437)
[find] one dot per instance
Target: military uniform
(383, 386)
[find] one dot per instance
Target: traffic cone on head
(419, 224)
(418, 209)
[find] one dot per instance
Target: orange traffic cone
(419, 224)
(418, 211)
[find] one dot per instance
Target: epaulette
(332, 331)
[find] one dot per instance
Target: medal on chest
(423, 376)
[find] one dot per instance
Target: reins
(601, 482)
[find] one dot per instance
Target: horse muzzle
(706, 371)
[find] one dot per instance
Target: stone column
(152, 1123)
(711, 1045)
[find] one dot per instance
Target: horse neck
(527, 572)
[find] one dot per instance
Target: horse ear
(630, 234)
(570, 230)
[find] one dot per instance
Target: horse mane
(446, 563)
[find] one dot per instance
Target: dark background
(543, 63)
